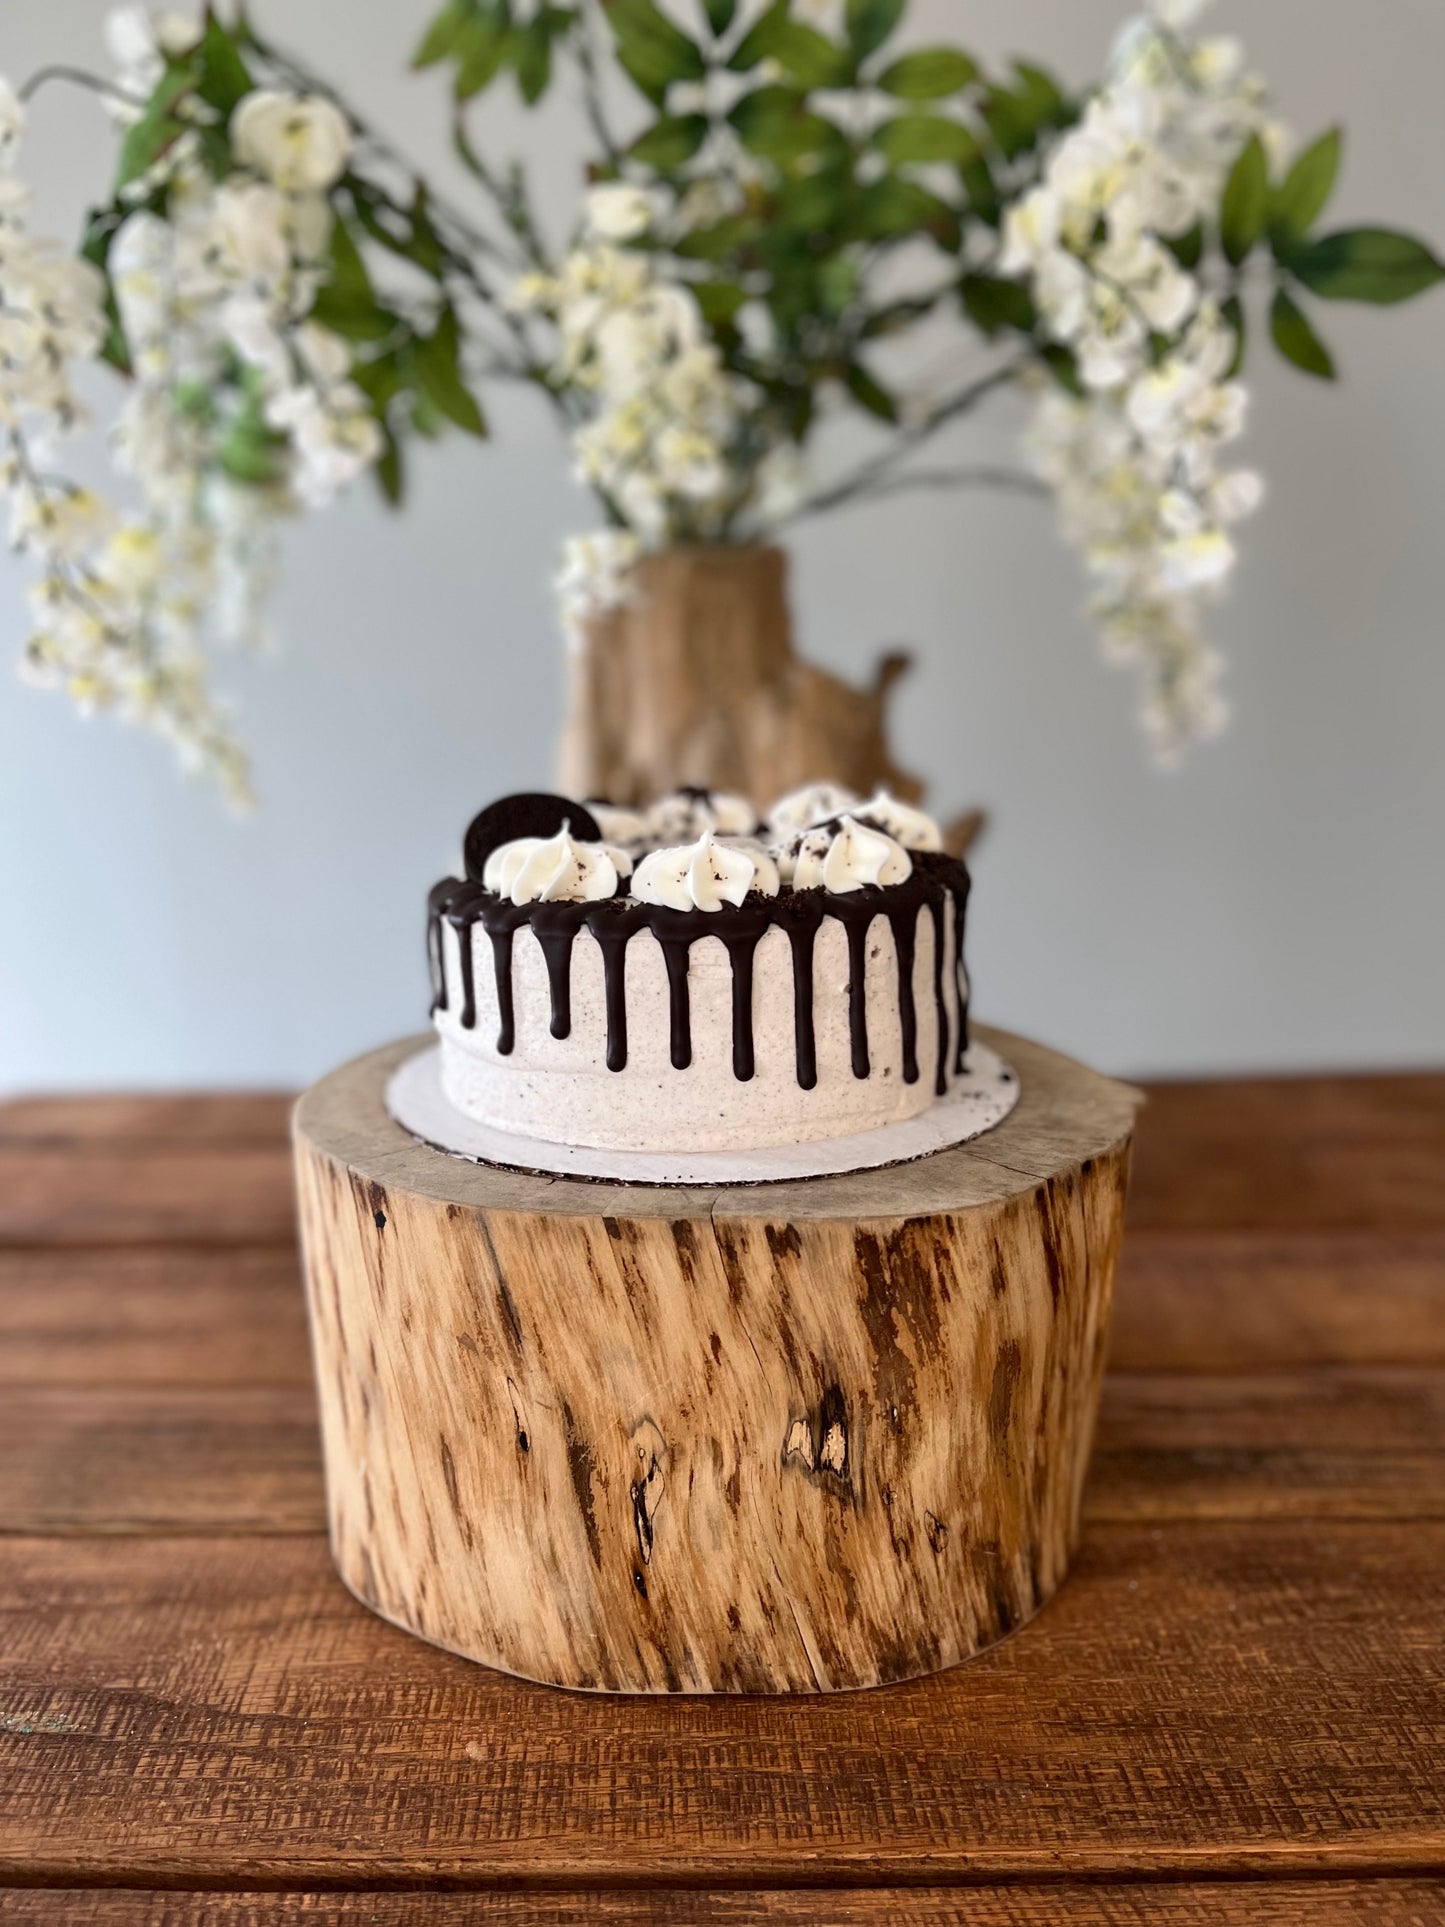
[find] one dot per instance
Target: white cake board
(983, 1097)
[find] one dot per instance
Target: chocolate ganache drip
(936, 880)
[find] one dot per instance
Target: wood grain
(153, 1315)
(1312, 1152)
(113, 1193)
(1230, 1300)
(152, 1458)
(1231, 1698)
(1295, 1156)
(1223, 1903)
(148, 1117)
(640, 1440)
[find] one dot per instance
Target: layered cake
(688, 978)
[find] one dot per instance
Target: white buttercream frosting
(555, 869)
(706, 874)
(814, 803)
(915, 829)
(843, 856)
(682, 815)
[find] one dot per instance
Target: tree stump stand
(788, 1438)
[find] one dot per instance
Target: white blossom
(301, 143)
(212, 297)
(1133, 461)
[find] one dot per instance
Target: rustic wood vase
(788, 1438)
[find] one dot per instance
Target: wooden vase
(693, 678)
(788, 1438)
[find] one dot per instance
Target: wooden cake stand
(781, 1438)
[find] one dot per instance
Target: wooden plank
(1222, 1903)
(117, 1194)
(157, 1459)
(1304, 1153)
(1187, 1301)
(153, 1315)
(1328, 1445)
(1223, 1301)
(167, 1117)
(1220, 1700)
(1311, 1152)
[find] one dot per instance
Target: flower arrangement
(793, 202)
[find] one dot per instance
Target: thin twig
(868, 475)
(77, 77)
(592, 88)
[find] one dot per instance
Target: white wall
(1280, 902)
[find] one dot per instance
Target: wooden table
(1233, 1712)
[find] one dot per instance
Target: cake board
(783, 1438)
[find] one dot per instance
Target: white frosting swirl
(846, 858)
(682, 815)
(705, 875)
(630, 828)
(914, 829)
(814, 803)
(555, 869)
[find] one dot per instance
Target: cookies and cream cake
(687, 978)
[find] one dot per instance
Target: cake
(686, 977)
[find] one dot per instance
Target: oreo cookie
(528, 814)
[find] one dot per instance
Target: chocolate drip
(556, 942)
(501, 937)
(803, 936)
(612, 940)
(958, 889)
(904, 923)
(741, 945)
(940, 1082)
(677, 954)
(856, 928)
(613, 923)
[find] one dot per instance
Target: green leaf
(438, 369)
(983, 194)
(929, 74)
(870, 22)
(390, 477)
(250, 451)
(148, 138)
(652, 50)
(1245, 206)
(1297, 340)
(773, 122)
(866, 391)
(1187, 248)
(531, 55)
(671, 141)
(894, 206)
(754, 45)
(224, 79)
(1300, 198)
(992, 304)
(1366, 264)
(1232, 312)
(809, 56)
(720, 14)
(1062, 365)
(719, 300)
(1040, 95)
(479, 50)
(440, 39)
(347, 271)
(925, 137)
